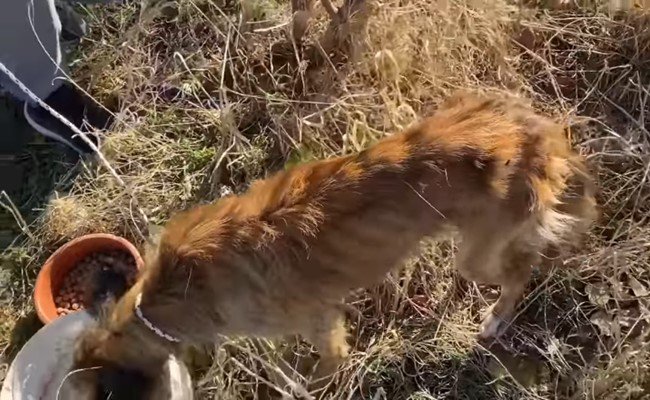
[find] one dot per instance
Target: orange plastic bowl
(51, 276)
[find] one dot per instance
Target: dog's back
(305, 237)
(277, 259)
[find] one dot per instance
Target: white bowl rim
(32, 368)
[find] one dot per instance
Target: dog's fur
(279, 259)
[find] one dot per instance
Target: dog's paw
(492, 327)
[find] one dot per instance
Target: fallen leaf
(598, 293)
(628, 317)
(524, 370)
(603, 322)
(637, 287)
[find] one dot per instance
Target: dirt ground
(210, 95)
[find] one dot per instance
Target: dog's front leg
(329, 335)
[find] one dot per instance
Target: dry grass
(210, 96)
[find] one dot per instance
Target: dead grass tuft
(212, 94)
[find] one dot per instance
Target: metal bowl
(41, 366)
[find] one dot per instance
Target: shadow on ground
(31, 170)
(549, 341)
(24, 328)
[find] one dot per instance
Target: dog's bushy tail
(564, 190)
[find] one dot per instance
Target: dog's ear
(92, 348)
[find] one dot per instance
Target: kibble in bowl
(65, 283)
(75, 292)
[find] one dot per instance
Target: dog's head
(112, 365)
(114, 359)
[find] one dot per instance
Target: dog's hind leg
(493, 258)
(513, 281)
(479, 253)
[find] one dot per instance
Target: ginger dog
(279, 259)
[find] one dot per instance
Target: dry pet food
(73, 294)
